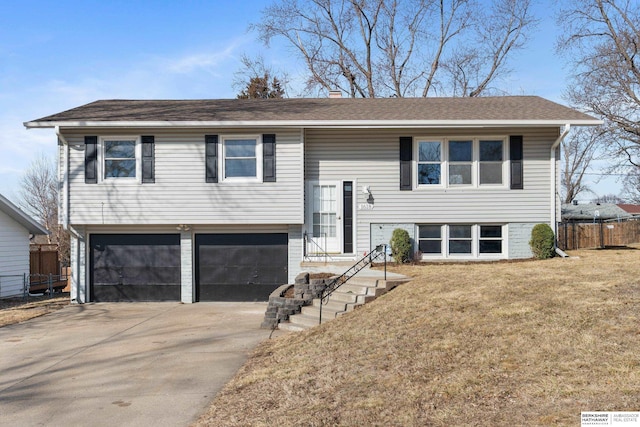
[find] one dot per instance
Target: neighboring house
(198, 200)
(15, 228)
(633, 210)
(593, 212)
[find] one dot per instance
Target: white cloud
(205, 74)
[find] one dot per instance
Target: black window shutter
(211, 154)
(91, 159)
(406, 150)
(268, 158)
(515, 156)
(148, 159)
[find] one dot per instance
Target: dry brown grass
(521, 343)
(16, 310)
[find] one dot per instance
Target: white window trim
(475, 163)
(503, 238)
(259, 161)
(475, 242)
(101, 159)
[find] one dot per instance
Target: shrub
(400, 245)
(542, 241)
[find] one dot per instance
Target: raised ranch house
(194, 200)
(16, 228)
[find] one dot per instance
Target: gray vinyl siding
(295, 251)
(371, 158)
(519, 236)
(180, 194)
(14, 256)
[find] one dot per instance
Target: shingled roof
(507, 110)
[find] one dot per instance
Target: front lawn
(507, 343)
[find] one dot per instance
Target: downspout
(65, 179)
(554, 182)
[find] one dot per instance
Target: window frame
(446, 163)
(417, 162)
(102, 158)
(501, 239)
(258, 156)
(445, 238)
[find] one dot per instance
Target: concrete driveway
(123, 364)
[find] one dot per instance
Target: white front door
(324, 231)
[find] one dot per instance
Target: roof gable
(20, 217)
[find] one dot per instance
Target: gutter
(554, 181)
(333, 123)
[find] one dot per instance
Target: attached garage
(240, 267)
(135, 267)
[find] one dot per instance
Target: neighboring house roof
(587, 212)
(630, 209)
(20, 217)
(309, 112)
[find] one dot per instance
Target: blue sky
(59, 55)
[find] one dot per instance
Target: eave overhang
(353, 124)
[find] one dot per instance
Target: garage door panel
(126, 293)
(240, 267)
(137, 267)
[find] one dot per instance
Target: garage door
(135, 267)
(240, 267)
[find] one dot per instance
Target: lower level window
(460, 240)
(430, 239)
(490, 241)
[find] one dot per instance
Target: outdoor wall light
(77, 147)
(183, 227)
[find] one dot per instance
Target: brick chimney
(335, 94)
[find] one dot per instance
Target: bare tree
(578, 150)
(631, 188)
(602, 43)
(256, 80)
(608, 198)
(400, 48)
(38, 196)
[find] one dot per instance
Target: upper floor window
(242, 158)
(491, 160)
(429, 162)
(120, 158)
(460, 162)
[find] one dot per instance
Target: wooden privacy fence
(574, 235)
(44, 267)
(43, 259)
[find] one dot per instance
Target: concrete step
(362, 280)
(333, 304)
(303, 320)
(328, 310)
(288, 326)
(348, 297)
(353, 293)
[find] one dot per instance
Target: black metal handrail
(362, 263)
(322, 250)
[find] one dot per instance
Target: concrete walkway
(123, 364)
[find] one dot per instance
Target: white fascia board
(316, 123)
